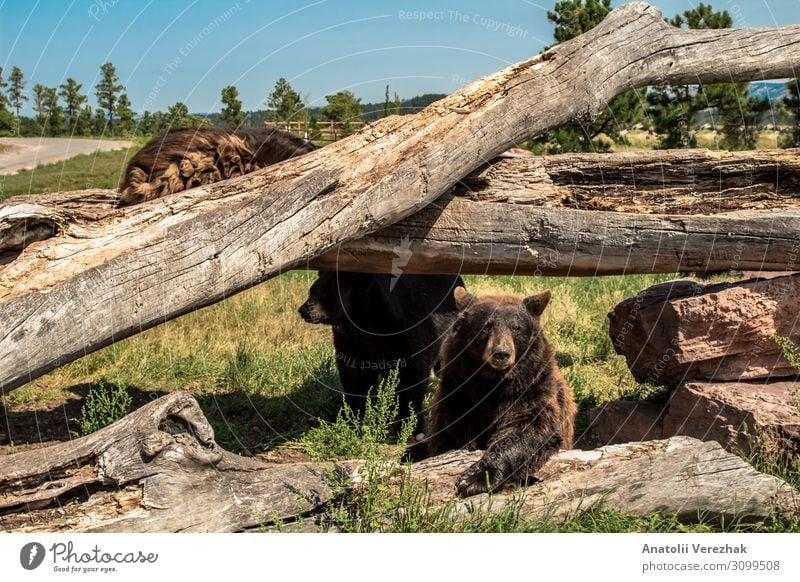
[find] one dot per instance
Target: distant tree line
(671, 112)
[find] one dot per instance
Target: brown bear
(180, 159)
(500, 391)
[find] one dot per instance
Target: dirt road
(24, 153)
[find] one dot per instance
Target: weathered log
(159, 469)
(679, 331)
(678, 210)
(744, 417)
(691, 479)
(67, 296)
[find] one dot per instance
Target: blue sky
(169, 50)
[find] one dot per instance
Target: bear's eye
(515, 327)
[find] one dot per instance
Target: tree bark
(680, 331)
(683, 476)
(159, 469)
(70, 295)
(570, 214)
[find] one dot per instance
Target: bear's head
(498, 330)
(328, 300)
(363, 300)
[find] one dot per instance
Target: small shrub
(361, 435)
(105, 403)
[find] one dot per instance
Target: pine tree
(107, 91)
(40, 105)
(125, 115)
(99, 123)
(673, 108)
(83, 124)
(3, 98)
(284, 102)
(792, 102)
(397, 104)
(70, 92)
(343, 108)
(16, 89)
(232, 114)
(386, 103)
(572, 18)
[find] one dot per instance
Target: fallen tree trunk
(679, 331)
(570, 214)
(159, 469)
(681, 476)
(68, 296)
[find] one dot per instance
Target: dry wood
(667, 211)
(678, 331)
(159, 469)
(683, 476)
(70, 295)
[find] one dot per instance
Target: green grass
(96, 170)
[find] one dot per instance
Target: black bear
(500, 391)
(381, 322)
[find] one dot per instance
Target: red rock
(737, 415)
(680, 331)
(623, 421)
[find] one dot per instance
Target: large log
(160, 469)
(70, 295)
(680, 330)
(157, 469)
(569, 214)
(594, 214)
(682, 476)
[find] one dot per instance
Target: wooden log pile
(718, 347)
(160, 469)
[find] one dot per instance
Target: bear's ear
(535, 304)
(463, 298)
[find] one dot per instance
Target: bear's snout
(311, 312)
(500, 353)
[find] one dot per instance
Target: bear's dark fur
(180, 159)
(500, 391)
(380, 322)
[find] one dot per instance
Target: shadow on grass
(244, 423)
(250, 423)
(55, 421)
